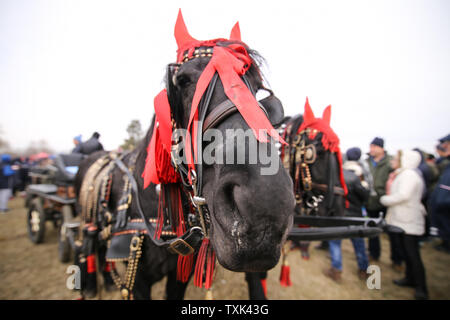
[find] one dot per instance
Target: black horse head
(250, 209)
(314, 161)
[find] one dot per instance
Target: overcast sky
(74, 67)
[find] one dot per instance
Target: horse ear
(236, 32)
(308, 115)
(181, 33)
(326, 116)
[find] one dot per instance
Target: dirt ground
(29, 271)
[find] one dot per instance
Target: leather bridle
(191, 180)
(301, 156)
(298, 157)
(209, 118)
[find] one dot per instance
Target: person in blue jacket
(6, 182)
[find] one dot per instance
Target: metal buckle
(311, 157)
(314, 201)
(181, 247)
(198, 201)
(135, 242)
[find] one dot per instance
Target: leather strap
(329, 233)
(222, 112)
(323, 187)
(190, 240)
(218, 114)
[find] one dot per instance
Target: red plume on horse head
(181, 33)
(309, 118)
(326, 116)
(308, 115)
(330, 140)
(183, 37)
(236, 32)
(186, 42)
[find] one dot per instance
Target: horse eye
(183, 80)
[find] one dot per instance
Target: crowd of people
(14, 172)
(412, 191)
(13, 177)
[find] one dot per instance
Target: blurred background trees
(135, 134)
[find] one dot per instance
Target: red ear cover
(308, 115)
(326, 116)
(235, 32)
(181, 33)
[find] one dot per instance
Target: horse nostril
(231, 193)
(228, 191)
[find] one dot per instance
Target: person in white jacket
(406, 211)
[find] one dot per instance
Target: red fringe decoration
(170, 202)
(158, 167)
(206, 258)
(185, 263)
(170, 199)
(184, 267)
(166, 172)
(161, 208)
(177, 210)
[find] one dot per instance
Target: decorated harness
(300, 153)
(183, 221)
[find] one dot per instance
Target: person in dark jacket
(90, 146)
(443, 151)
(430, 175)
(379, 166)
(358, 193)
(77, 142)
(6, 181)
(440, 199)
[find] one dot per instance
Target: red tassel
(110, 266)
(181, 225)
(166, 172)
(161, 208)
(210, 267)
(171, 194)
(158, 167)
(184, 267)
(264, 285)
(285, 278)
(205, 258)
(91, 266)
(185, 263)
(170, 199)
